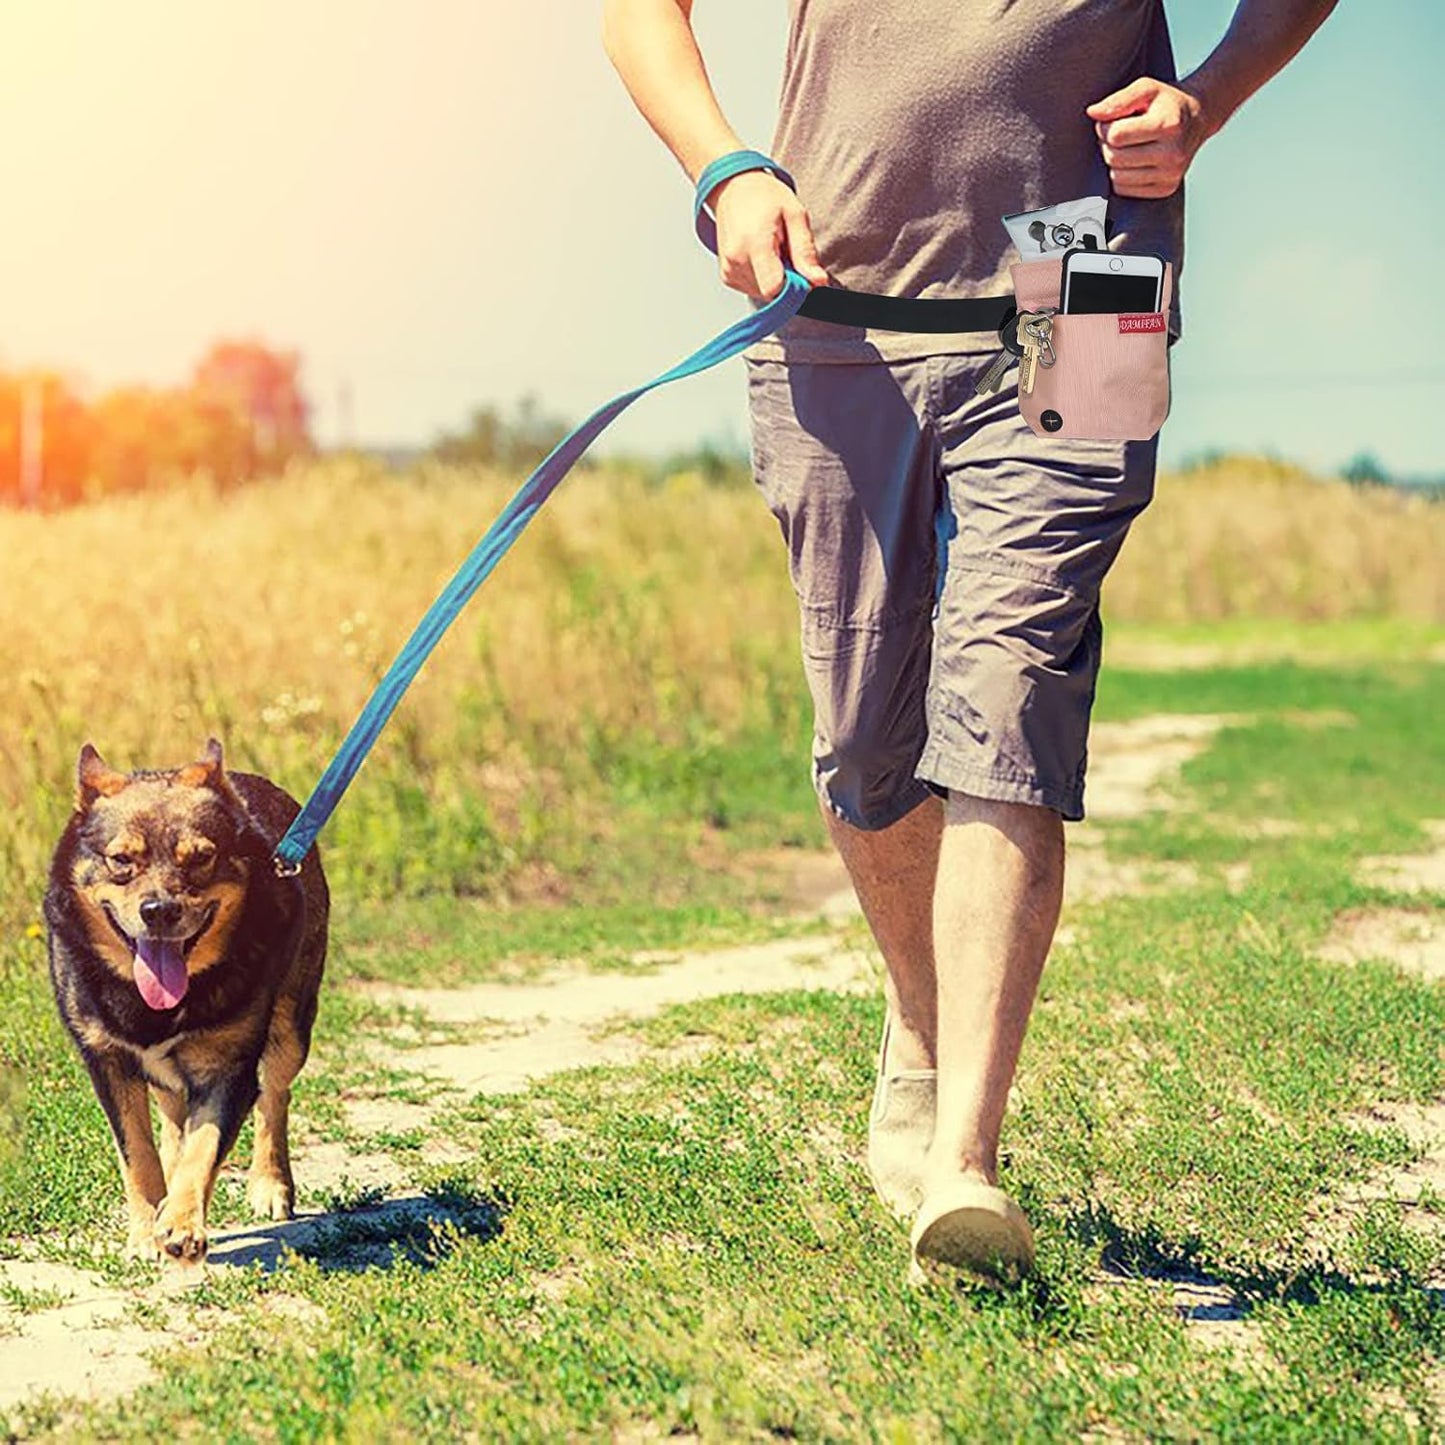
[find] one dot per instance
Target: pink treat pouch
(1110, 377)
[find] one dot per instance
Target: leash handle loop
(724, 168)
(836, 304)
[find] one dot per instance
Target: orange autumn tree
(242, 415)
(63, 462)
(249, 399)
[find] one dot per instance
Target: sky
(453, 202)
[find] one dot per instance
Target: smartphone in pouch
(1095, 281)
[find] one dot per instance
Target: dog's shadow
(421, 1229)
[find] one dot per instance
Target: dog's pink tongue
(160, 972)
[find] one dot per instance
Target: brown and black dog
(184, 966)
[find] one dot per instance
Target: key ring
(1041, 328)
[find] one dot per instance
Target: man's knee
(867, 786)
(1030, 832)
(869, 728)
(1005, 814)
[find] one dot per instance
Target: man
(947, 561)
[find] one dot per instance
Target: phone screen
(1092, 291)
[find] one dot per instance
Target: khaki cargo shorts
(947, 564)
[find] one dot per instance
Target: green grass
(441, 942)
(1353, 756)
(1273, 638)
(690, 1244)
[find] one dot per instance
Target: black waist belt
(902, 313)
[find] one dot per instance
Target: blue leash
(509, 525)
(826, 303)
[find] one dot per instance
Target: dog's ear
(95, 778)
(208, 772)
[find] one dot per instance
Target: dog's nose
(159, 913)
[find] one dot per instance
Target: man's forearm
(652, 47)
(1262, 38)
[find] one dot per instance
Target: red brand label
(1142, 321)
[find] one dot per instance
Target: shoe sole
(977, 1229)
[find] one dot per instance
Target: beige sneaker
(969, 1225)
(900, 1129)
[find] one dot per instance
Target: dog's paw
(272, 1197)
(180, 1231)
(140, 1240)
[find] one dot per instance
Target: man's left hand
(1148, 133)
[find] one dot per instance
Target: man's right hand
(761, 224)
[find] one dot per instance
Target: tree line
(241, 414)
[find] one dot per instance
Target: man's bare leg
(981, 892)
(893, 871)
(995, 907)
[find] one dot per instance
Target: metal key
(1029, 361)
(1040, 329)
(992, 379)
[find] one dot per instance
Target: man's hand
(760, 224)
(1148, 133)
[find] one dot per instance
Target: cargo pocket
(1110, 375)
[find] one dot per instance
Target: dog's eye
(119, 863)
(199, 857)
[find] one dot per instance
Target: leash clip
(285, 869)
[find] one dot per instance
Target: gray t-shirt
(913, 126)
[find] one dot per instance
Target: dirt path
(560, 1022)
(84, 1344)
(1411, 939)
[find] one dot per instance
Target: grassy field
(606, 759)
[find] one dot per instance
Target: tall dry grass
(635, 633)
(1249, 537)
(631, 622)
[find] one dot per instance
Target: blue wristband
(724, 168)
